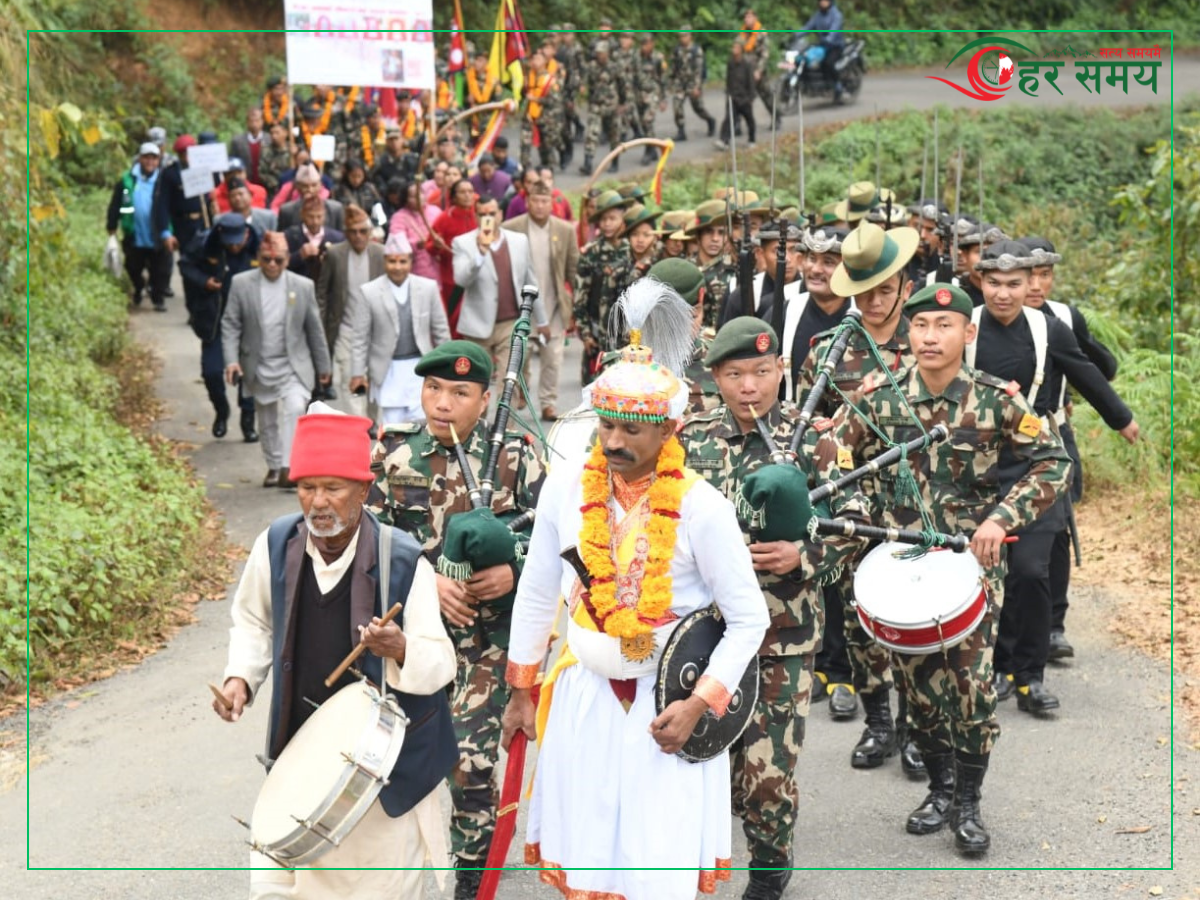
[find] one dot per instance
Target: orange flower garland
(269, 117)
(665, 496)
(323, 125)
(368, 145)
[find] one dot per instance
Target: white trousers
(277, 422)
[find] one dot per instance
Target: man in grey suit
(308, 184)
(347, 267)
(400, 319)
(272, 328)
(240, 201)
(492, 265)
(555, 255)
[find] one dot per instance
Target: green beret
(680, 274)
(746, 337)
(937, 296)
(457, 361)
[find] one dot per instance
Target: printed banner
(370, 43)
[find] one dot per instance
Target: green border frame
(528, 869)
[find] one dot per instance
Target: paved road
(135, 774)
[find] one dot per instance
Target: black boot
(680, 134)
(649, 155)
(767, 883)
(970, 835)
(930, 816)
(616, 164)
(910, 754)
(586, 168)
(878, 740)
(466, 881)
(712, 126)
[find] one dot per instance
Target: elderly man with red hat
(317, 584)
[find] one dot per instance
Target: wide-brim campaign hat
(870, 256)
(637, 214)
(861, 197)
(673, 221)
(606, 201)
(709, 213)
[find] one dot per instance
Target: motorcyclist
(828, 19)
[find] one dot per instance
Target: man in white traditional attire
(658, 542)
(400, 319)
(309, 593)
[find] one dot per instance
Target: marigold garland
(268, 117)
(323, 125)
(368, 145)
(665, 497)
(479, 97)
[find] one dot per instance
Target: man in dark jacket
(137, 207)
(740, 88)
(828, 19)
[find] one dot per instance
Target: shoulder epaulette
(709, 415)
(1009, 387)
(402, 428)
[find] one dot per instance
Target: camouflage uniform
(648, 87)
(419, 486)
(687, 75)
(606, 90)
(543, 108)
(717, 275)
(703, 393)
(951, 698)
(597, 289)
(272, 162)
(631, 270)
(760, 56)
(626, 62)
(763, 760)
(869, 662)
(570, 59)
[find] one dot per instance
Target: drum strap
(385, 583)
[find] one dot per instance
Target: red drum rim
(930, 638)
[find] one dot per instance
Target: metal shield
(684, 660)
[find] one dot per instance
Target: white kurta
(605, 796)
(410, 841)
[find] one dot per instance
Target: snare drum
(921, 604)
(327, 776)
(571, 436)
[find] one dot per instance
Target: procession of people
(775, 399)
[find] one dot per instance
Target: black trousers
(834, 657)
(1060, 560)
(1023, 642)
(832, 55)
(157, 262)
(745, 112)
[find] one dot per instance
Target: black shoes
(284, 481)
(160, 307)
(1034, 698)
(1004, 686)
(586, 168)
(467, 881)
(878, 740)
(931, 815)
(712, 126)
(1060, 647)
(970, 834)
(650, 155)
(249, 435)
(766, 883)
(842, 702)
(680, 134)
(911, 761)
(272, 478)
(220, 425)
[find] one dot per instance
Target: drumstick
(357, 651)
(224, 701)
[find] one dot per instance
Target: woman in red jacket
(458, 219)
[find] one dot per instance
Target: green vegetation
(114, 520)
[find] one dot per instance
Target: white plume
(665, 319)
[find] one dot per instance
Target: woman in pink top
(412, 220)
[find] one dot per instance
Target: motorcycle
(802, 74)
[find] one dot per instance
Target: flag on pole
(509, 48)
(458, 57)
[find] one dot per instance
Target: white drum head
(916, 591)
(311, 763)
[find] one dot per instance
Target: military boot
(616, 164)
(930, 816)
(466, 878)
(910, 754)
(766, 883)
(649, 155)
(680, 134)
(712, 126)
(586, 168)
(878, 740)
(970, 834)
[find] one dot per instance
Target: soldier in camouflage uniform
(276, 158)
(420, 487)
(649, 89)
(687, 82)
(644, 249)
(879, 287)
(724, 446)
(570, 55)
(607, 93)
(710, 231)
(951, 696)
(687, 280)
(553, 123)
(542, 107)
(756, 42)
(624, 59)
(596, 280)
